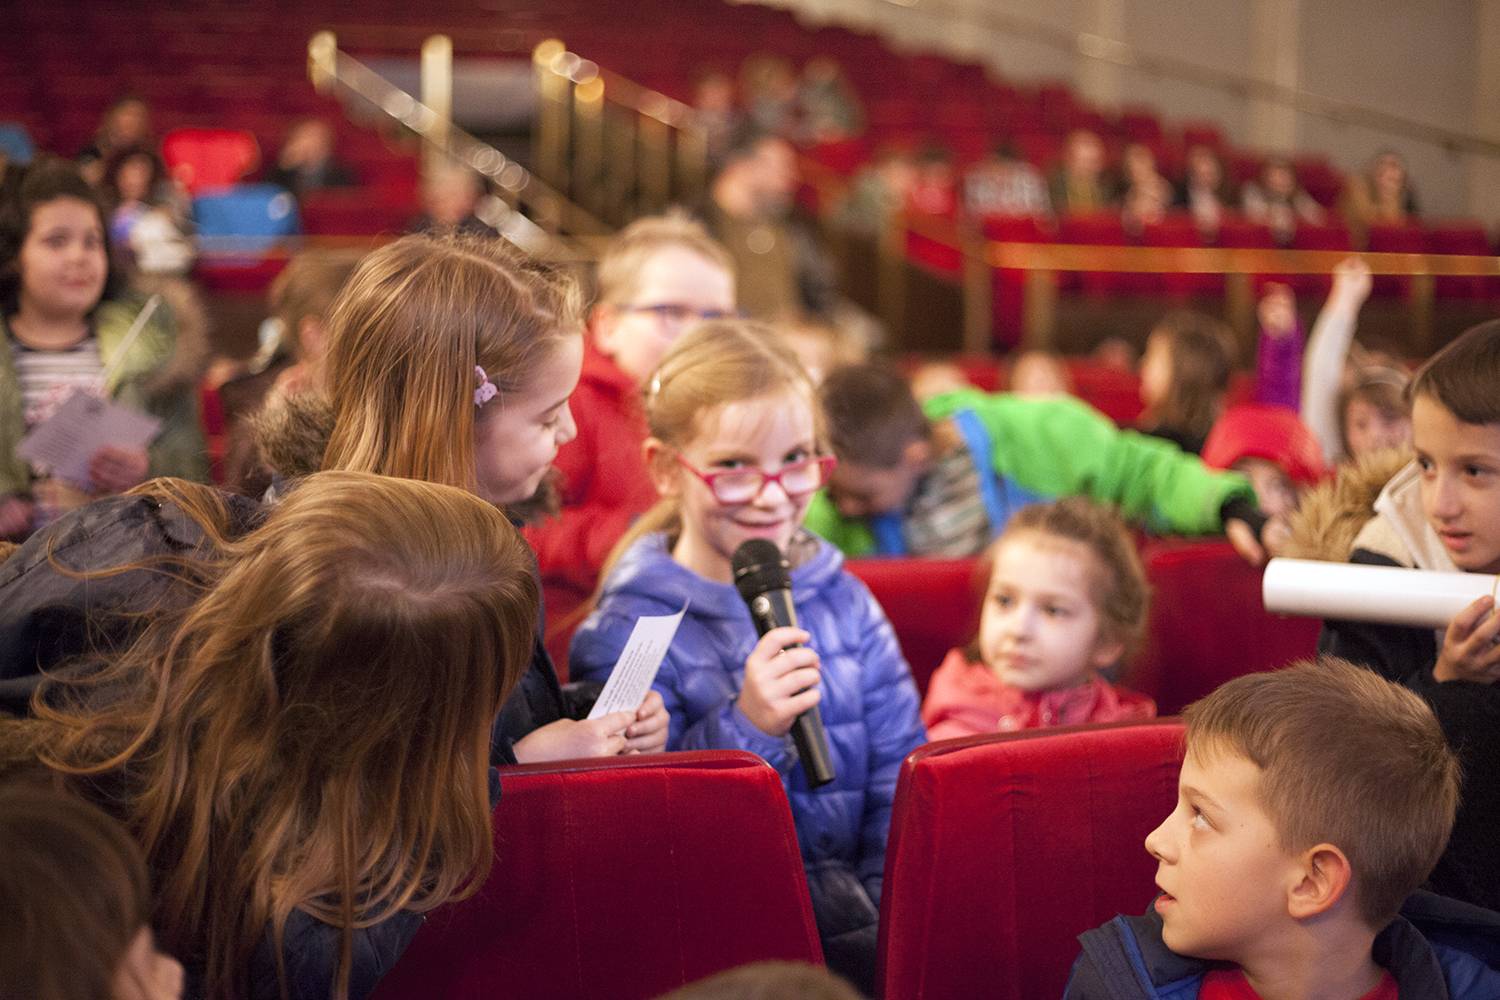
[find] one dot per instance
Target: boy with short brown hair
(1312, 802)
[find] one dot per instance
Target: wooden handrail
(1224, 260)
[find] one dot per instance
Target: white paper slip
(636, 668)
(84, 423)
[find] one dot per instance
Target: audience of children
(780, 269)
(71, 325)
(264, 734)
(307, 161)
(944, 477)
(148, 217)
(657, 278)
(1437, 513)
(1039, 373)
(1294, 843)
(126, 125)
(1271, 448)
(452, 360)
(75, 905)
(290, 360)
(1204, 192)
(1147, 193)
(1382, 196)
(175, 648)
(1278, 355)
(1066, 603)
(1352, 400)
(1080, 185)
(1184, 376)
(736, 452)
(1277, 200)
(452, 197)
(1003, 184)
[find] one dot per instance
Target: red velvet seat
(1207, 623)
(1466, 238)
(1097, 229)
(1004, 848)
(933, 605)
(624, 879)
(1009, 298)
(1395, 239)
(1309, 237)
(207, 158)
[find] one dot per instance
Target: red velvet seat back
(1004, 848)
(205, 159)
(933, 605)
(624, 879)
(1208, 624)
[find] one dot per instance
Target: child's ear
(1107, 652)
(660, 467)
(312, 339)
(602, 322)
(917, 453)
(1326, 874)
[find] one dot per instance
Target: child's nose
(1445, 498)
(568, 428)
(1156, 841)
(772, 493)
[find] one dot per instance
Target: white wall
(1419, 60)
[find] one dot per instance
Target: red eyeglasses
(731, 486)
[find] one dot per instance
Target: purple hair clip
(486, 390)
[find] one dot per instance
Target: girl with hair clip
(299, 738)
(1066, 602)
(736, 451)
(75, 905)
(68, 323)
(450, 360)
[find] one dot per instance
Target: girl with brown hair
(1066, 602)
(1184, 376)
(75, 905)
(299, 736)
(450, 360)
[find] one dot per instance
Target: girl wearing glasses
(736, 452)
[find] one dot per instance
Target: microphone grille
(759, 567)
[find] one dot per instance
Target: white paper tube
(1386, 594)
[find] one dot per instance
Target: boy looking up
(1291, 850)
(942, 478)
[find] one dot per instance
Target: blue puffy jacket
(869, 703)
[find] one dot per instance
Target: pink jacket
(966, 699)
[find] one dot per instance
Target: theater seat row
(1207, 623)
(623, 879)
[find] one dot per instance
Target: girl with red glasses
(736, 452)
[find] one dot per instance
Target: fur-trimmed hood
(292, 432)
(1332, 514)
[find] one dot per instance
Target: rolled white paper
(1389, 595)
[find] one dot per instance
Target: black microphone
(764, 581)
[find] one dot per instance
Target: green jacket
(179, 449)
(1043, 449)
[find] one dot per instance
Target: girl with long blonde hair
(449, 360)
(736, 452)
(299, 739)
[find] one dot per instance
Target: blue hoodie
(869, 703)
